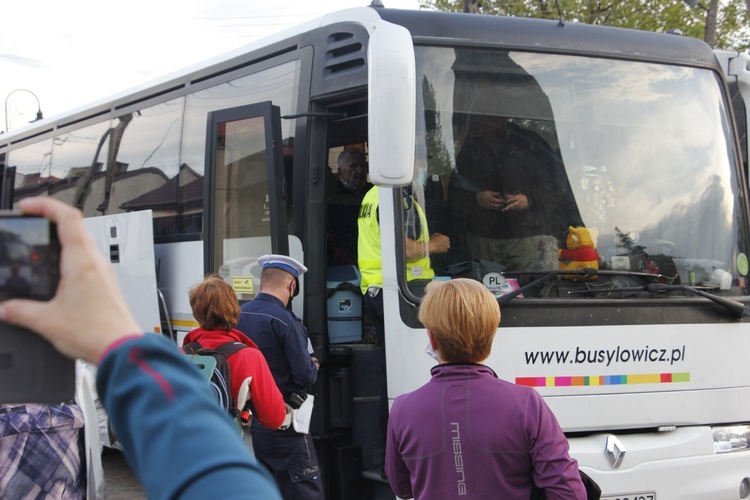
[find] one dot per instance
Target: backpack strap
(226, 349)
(229, 348)
(192, 348)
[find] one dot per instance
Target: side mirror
(392, 104)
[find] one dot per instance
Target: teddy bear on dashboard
(580, 253)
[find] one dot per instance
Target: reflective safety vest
(368, 245)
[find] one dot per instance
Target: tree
(730, 16)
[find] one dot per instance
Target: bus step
(375, 474)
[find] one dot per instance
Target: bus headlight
(731, 438)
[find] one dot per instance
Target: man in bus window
(509, 185)
(343, 206)
(352, 164)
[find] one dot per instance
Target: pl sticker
(742, 264)
(494, 283)
(499, 285)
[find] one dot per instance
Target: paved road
(119, 481)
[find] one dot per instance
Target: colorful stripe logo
(597, 380)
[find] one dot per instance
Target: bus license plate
(647, 495)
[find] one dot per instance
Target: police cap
(288, 264)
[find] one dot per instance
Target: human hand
(516, 202)
(287, 417)
(491, 200)
(88, 313)
(439, 243)
(316, 362)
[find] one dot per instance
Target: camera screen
(29, 257)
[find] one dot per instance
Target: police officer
(283, 340)
(419, 244)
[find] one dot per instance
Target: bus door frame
(277, 189)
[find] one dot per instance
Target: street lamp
(39, 115)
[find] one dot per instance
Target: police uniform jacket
(282, 338)
(369, 258)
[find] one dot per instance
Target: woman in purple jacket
(467, 433)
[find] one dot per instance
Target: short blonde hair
(214, 304)
(463, 316)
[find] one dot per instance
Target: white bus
(640, 352)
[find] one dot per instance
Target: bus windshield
(534, 162)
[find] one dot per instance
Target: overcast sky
(78, 51)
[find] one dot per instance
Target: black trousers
(291, 458)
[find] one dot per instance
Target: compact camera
(31, 370)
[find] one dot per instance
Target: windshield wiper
(505, 298)
(548, 275)
(736, 307)
(588, 272)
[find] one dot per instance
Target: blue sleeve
(303, 369)
(178, 441)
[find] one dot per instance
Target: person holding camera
(174, 436)
(283, 340)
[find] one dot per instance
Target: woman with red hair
(217, 310)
